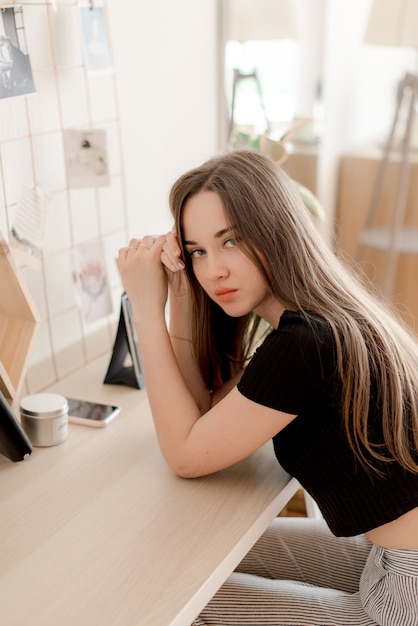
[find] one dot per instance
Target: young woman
(272, 338)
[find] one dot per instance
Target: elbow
(186, 459)
(185, 471)
(185, 468)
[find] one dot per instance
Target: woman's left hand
(142, 273)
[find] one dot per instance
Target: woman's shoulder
(296, 362)
(306, 325)
(301, 336)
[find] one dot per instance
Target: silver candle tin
(44, 416)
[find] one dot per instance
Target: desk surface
(98, 530)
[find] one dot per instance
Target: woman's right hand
(174, 266)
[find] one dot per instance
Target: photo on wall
(91, 282)
(95, 39)
(86, 157)
(16, 78)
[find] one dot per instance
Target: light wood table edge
(219, 576)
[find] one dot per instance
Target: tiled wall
(32, 154)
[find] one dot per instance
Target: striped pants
(300, 574)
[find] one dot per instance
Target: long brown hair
(262, 204)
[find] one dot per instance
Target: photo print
(91, 282)
(95, 40)
(28, 224)
(16, 78)
(86, 157)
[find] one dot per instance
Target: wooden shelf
(380, 239)
(19, 320)
(358, 172)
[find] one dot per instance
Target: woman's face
(224, 271)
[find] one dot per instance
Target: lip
(225, 295)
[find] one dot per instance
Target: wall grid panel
(32, 154)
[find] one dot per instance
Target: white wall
(159, 107)
(165, 58)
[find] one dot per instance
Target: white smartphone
(91, 413)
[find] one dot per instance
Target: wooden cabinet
(302, 165)
(358, 173)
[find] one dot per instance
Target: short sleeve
(292, 371)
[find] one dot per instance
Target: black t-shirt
(295, 371)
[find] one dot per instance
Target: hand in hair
(173, 264)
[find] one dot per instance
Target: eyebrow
(218, 235)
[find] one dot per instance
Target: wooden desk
(98, 530)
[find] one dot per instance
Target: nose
(216, 267)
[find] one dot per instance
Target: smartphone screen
(91, 413)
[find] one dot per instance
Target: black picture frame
(14, 442)
(125, 366)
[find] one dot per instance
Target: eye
(196, 253)
(231, 242)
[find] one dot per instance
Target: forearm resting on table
(180, 330)
(176, 407)
(183, 349)
(173, 407)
